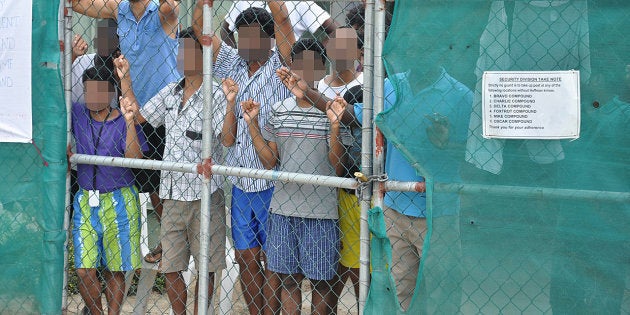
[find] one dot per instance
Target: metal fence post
(67, 72)
(206, 153)
(366, 153)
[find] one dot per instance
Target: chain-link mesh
(502, 226)
(512, 225)
(168, 229)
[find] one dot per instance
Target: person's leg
(249, 217)
(349, 226)
(273, 293)
(210, 292)
(87, 251)
(149, 180)
(252, 278)
(90, 289)
(114, 291)
(120, 223)
(176, 252)
(319, 256)
(155, 255)
(282, 261)
(216, 248)
(176, 291)
(291, 296)
(406, 240)
(323, 297)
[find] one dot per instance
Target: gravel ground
(158, 303)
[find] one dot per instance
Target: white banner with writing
(15, 71)
(531, 104)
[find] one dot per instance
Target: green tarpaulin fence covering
(32, 194)
(515, 226)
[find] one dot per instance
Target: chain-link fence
(330, 177)
(515, 223)
(249, 208)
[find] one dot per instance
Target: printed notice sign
(15, 71)
(531, 104)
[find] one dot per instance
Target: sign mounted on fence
(531, 104)
(15, 71)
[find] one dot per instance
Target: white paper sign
(15, 71)
(531, 104)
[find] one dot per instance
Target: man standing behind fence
(304, 15)
(179, 107)
(147, 33)
(252, 66)
(303, 235)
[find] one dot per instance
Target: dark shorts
(303, 245)
(148, 181)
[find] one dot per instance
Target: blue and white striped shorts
(303, 245)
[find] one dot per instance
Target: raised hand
(335, 109)
(79, 46)
(122, 66)
(250, 110)
(293, 82)
(128, 107)
(230, 88)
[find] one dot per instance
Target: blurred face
(98, 94)
(253, 43)
(308, 65)
(106, 40)
(342, 49)
(189, 57)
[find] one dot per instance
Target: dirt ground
(158, 303)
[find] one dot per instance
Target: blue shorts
(249, 217)
(302, 245)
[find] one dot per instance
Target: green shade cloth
(541, 226)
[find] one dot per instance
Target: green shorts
(107, 235)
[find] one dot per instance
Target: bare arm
(132, 144)
(303, 91)
(337, 153)
(169, 16)
(197, 21)
(132, 149)
(267, 150)
(128, 102)
(230, 123)
(102, 9)
(282, 29)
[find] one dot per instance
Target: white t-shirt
(304, 15)
(332, 91)
(79, 66)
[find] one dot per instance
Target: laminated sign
(531, 104)
(15, 71)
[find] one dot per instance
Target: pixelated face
(308, 65)
(189, 57)
(106, 40)
(98, 94)
(253, 43)
(342, 49)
